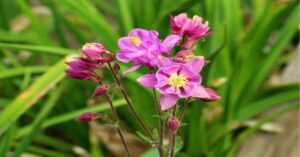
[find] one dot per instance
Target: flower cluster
(92, 57)
(177, 76)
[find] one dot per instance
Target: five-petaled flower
(143, 47)
(176, 80)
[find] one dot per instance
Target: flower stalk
(131, 107)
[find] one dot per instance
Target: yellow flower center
(177, 80)
(135, 40)
(188, 57)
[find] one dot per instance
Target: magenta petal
(196, 64)
(148, 80)
(200, 92)
(133, 68)
(164, 62)
(168, 101)
(168, 44)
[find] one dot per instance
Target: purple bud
(116, 67)
(173, 124)
(100, 90)
(87, 117)
(213, 96)
(96, 52)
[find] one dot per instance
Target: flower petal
(168, 101)
(196, 64)
(148, 80)
(164, 62)
(133, 68)
(168, 44)
(200, 92)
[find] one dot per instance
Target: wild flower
(143, 47)
(192, 29)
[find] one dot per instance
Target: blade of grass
(42, 33)
(31, 95)
(125, 16)
(36, 125)
(5, 74)
(71, 116)
(7, 140)
(266, 103)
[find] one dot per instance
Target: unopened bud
(100, 90)
(87, 117)
(173, 124)
(116, 67)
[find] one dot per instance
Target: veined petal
(168, 101)
(148, 80)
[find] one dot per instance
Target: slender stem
(131, 107)
(116, 119)
(123, 142)
(161, 123)
(173, 135)
(184, 109)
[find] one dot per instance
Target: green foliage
(249, 42)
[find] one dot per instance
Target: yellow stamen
(177, 80)
(188, 57)
(135, 40)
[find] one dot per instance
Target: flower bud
(173, 124)
(116, 67)
(88, 117)
(96, 52)
(100, 90)
(213, 96)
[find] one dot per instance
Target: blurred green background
(253, 40)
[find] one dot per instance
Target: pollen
(135, 40)
(188, 57)
(177, 80)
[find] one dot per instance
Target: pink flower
(92, 57)
(96, 52)
(143, 47)
(176, 80)
(193, 29)
(83, 70)
(100, 90)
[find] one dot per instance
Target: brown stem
(184, 109)
(116, 120)
(131, 107)
(161, 122)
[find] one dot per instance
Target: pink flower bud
(116, 67)
(100, 90)
(173, 124)
(213, 96)
(96, 52)
(88, 117)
